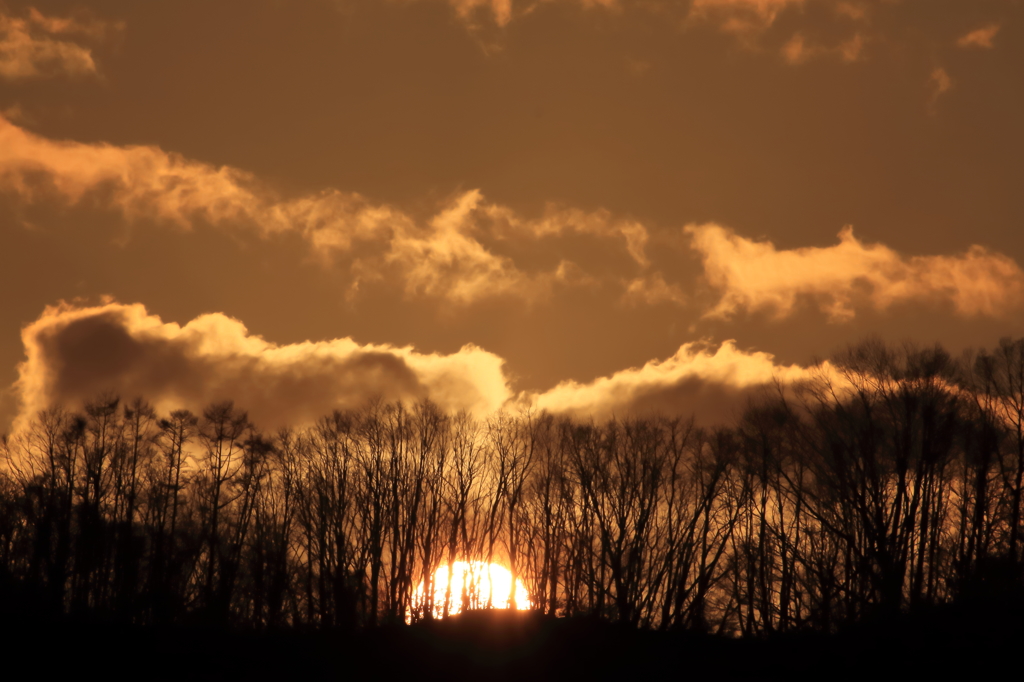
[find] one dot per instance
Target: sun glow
(473, 584)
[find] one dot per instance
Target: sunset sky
(595, 206)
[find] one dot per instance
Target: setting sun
(480, 584)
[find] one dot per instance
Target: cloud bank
(755, 276)
(75, 353)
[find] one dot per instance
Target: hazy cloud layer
(444, 258)
(40, 46)
(74, 353)
(712, 384)
(755, 276)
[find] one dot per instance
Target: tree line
(893, 482)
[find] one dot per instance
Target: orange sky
(596, 206)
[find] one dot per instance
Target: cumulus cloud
(713, 384)
(445, 257)
(39, 46)
(983, 37)
(75, 353)
(756, 276)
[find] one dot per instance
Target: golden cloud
(558, 221)
(74, 353)
(446, 260)
(750, 20)
(145, 181)
(712, 384)
(756, 276)
(30, 46)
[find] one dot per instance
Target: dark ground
(942, 644)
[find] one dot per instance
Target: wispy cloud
(755, 276)
(499, 10)
(769, 9)
(939, 83)
(446, 260)
(652, 289)
(558, 221)
(502, 12)
(798, 50)
(40, 46)
(983, 37)
(446, 256)
(742, 16)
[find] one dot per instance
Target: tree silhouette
(891, 484)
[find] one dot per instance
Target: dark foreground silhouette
(502, 645)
